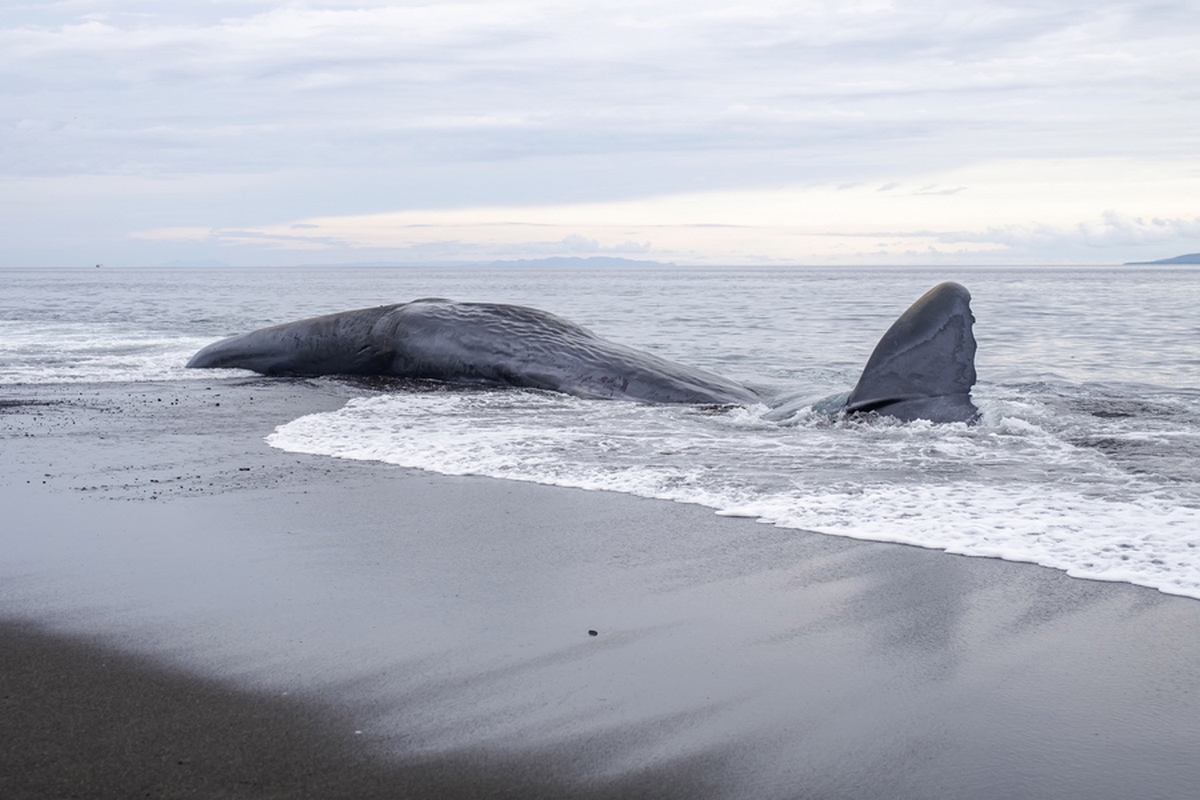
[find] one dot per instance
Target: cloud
(933, 189)
(1017, 211)
(575, 243)
(344, 109)
(1112, 231)
(1116, 229)
(263, 81)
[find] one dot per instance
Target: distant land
(553, 261)
(179, 263)
(576, 261)
(1189, 258)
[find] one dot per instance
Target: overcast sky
(243, 132)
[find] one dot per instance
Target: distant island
(576, 261)
(1189, 258)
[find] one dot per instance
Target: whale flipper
(924, 366)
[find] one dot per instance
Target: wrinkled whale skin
(470, 343)
(922, 368)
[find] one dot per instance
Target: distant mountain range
(576, 261)
(1189, 258)
(553, 261)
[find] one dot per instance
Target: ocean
(1086, 459)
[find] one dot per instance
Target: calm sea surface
(1087, 458)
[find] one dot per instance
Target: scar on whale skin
(922, 368)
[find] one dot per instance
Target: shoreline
(448, 618)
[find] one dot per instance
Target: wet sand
(81, 720)
(190, 613)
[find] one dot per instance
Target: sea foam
(1008, 488)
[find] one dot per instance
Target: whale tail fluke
(924, 366)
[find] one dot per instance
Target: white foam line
(677, 454)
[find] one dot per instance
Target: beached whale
(922, 368)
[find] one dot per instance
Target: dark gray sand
(82, 720)
(190, 613)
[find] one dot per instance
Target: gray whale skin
(922, 368)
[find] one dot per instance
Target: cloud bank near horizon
(761, 132)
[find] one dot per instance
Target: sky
(248, 132)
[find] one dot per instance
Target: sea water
(1086, 459)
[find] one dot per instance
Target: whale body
(922, 368)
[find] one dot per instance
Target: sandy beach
(187, 612)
